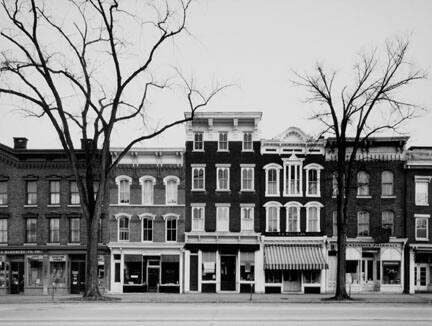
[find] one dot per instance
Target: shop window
(197, 218)
(117, 264)
(123, 183)
(54, 195)
(391, 272)
(352, 272)
(74, 229)
(31, 193)
(387, 188)
(208, 266)
(273, 276)
(170, 269)
(311, 276)
(3, 230)
(133, 266)
(31, 226)
(74, 194)
(247, 178)
(123, 228)
(58, 273)
(198, 144)
(223, 141)
(223, 177)
(171, 189)
(198, 177)
(147, 183)
(247, 141)
(388, 221)
(54, 230)
(34, 268)
(3, 193)
(147, 224)
(4, 273)
(247, 217)
(222, 218)
(363, 224)
(272, 179)
(363, 183)
(247, 266)
(421, 192)
(272, 216)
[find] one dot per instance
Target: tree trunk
(91, 284)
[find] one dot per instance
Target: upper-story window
(223, 141)
(247, 141)
(387, 187)
(247, 177)
(198, 177)
(334, 224)
(313, 172)
(147, 183)
(198, 217)
(313, 221)
(123, 221)
(222, 217)
(171, 227)
(54, 230)
(54, 192)
(123, 183)
(74, 198)
(422, 226)
(198, 143)
(363, 224)
(247, 217)
(363, 183)
(147, 226)
(31, 192)
(293, 178)
(293, 216)
(31, 228)
(74, 229)
(272, 171)
(387, 221)
(335, 189)
(171, 189)
(421, 191)
(3, 193)
(272, 216)
(222, 177)
(3, 230)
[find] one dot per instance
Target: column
(259, 270)
(218, 272)
(238, 271)
(45, 275)
(411, 271)
(199, 270)
(181, 257)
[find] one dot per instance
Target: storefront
(420, 264)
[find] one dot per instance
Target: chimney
(86, 143)
(20, 142)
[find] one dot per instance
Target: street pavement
(263, 314)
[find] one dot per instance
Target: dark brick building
(42, 232)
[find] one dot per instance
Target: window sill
(388, 197)
(248, 150)
(73, 243)
(3, 206)
(171, 241)
(223, 150)
(147, 241)
(313, 195)
(30, 243)
(363, 197)
(424, 204)
(274, 195)
(54, 205)
(247, 190)
(74, 205)
(421, 239)
(122, 204)
(293, 195)
(53, 243)
(223, 190)
(3, 244)
(198, 150)
(364, 237)
(30, 206)
(198, 190)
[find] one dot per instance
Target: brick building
(146, 221)
(42, 232)
(222, 240)
(376, 236)
(418, 212)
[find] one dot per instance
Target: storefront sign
(38, 257)
(20, 252)
(57, 258)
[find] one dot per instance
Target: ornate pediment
(292, 135)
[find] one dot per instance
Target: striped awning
(294, 257)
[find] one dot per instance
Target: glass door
(422, 277)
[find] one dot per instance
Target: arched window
(147, 183)
(313, 221)
(293, 216)
(171, 189)
(363, 224)
(123, 183)
(123, 221)
(147, 226)
(272, 171)
(313, 172)
(272, 216)
(388, 221)
(362, 183)
(387, 188)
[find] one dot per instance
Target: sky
(255, 45)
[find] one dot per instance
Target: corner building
(222, 240)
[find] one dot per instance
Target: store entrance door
(77, 277)
(228, 273)
(422, 277)
(193, 277)
(152, 278)
(291, 281)
(16, 277)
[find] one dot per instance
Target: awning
(294, 257)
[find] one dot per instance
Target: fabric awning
(294, 257)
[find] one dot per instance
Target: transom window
(3, 193)
(171, 228)
(198, 177)
(198, 144)
(363, 224)
(362, 183)
(74, 193)
(388, 221)
(54, 195)
(387, 188)
(421, 192)
(223, 141)
(54, 230)
(222, 218)
(171, 189)
(247, 217)
(31, 192)
(123, 183)
(3, 230)
(272, 216)
(197, 218)
(147, 228)
(222, 177)
(247, 141)
(123, 227)
(422, 227)
(147, 183)
(293, 217)
(247, 178)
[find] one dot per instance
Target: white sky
(255, 44)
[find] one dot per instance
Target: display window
(273, 276)
(34, 270)
(133, 266)
(209, 266)
(58, 273)
(352, 272)
(247, 266)
(313, 276)
(4, 272)
(391, 272)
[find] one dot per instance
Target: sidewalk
(420, 298)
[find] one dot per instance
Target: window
(3, 230)
(247, 266)
(198, 177)
(171, 189)
(133, 269)
(198, 144)
(198, 218)
(54, 195)
(422, 227)
(293, 178)
(272, 216)
(293, 217)
(247, 141)
(387, 188)
(273, 276)
(391, 272)
(170, 269)
(363, 224)
(313, 216)
(31, 193)
(362, 183)
(147, 183)
(388, 221)
(247, 177)
(247, 217)
(171, 228)
(222, 173)
(421, 192)
(54, 230)
(31, 224)
(74, 229)
(335, 189)
(209, 266)
(35, 271)
(313, 172)
(334, 224)
(272, 179)
(100, 230)
(222, 218)
(223, 141)
(123, 228)
(147, 227)
(74, 193)
(123, 183)
(3, 193)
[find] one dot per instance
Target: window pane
(247, 178)
(31, 193)
(247, 266)
(208, 266)
(362, 183)
(388, 221)
(197, 218)
(247, 141)
(3, 230)
(54, 230)
(54, 192)
(171, 192)
(313, 182)
(293, 219)
(123, 228)
(147, 229)
(312, 219)
(421, 193)
(198, 178)
(31, 230)
(148, 192)
(272, 219)
(247, 222)
(387, 183)
(363, 224)
(171, 229)
(74, 194)
(124, 191)
(223, 141)
(3, 193)
(74, 229)
(272, 186)
(222, 214)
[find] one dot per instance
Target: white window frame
(245, 167)
(53, 231)
(4, 230)
(198, 167)
(318, 206)
(142, 182)
(222, 167)
(220, 134)
(244, 149)
(267, 168)
(194, 148)
(219, 208)
(422, 180)
(269, 205)
(5, 194)
(422, 217)
(167, 217)
(118, 180)
(358, 224)
(202, 207)
(117, 217)
(317, 168)
(165, 182)
(368, 195)
(298, 206)
(147, 216)
(288, 163)
(243, 223)
(392, 195)
(55, 195)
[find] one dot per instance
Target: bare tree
(354, 113)
(77, 71)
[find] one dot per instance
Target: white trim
(296, 205)
(122, 177)
(317, 168)
(223, 165)
(269, 205)
(165, 182)
(418, 217)
(198, 167)
(267, 168)
(293, 160)
(314, 166)
(142, 181)
(219, 167)
(118, 181)
(245, 167)
(318, 206)
(167, 216)
(117, 217)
